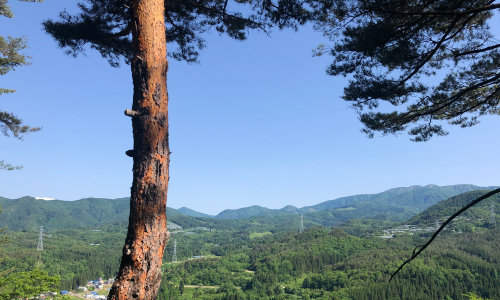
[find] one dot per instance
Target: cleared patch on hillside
(258, 234)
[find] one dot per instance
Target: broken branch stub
(131, 113)
(130, 153)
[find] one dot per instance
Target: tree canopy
(396, 49)
(105, 24)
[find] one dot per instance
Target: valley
(265, 256)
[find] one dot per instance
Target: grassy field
(346, 208)
(258, 234)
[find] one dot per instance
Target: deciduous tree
(29, 285)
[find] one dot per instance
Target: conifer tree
(10, 58)
(396, 50)
(137, 31)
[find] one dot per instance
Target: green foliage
(189, 212)
(395, 205)
(321, 263)
(68, 253)
(108, 30)
(258, 234)
(28, 284)
(10, 58)
(27, 213)
(395, 48)
(5, 9)
(473, 296)
(245, 212)
(181, 287)
(478, 215)
(329, 264)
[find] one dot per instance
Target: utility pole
(40, 240)
(174, 256)
(301, 223)
(493, 219)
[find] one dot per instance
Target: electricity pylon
(492, 209)
(40, 240)
(174, 256)
(301, 223)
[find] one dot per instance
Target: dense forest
(267, 258)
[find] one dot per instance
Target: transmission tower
(40, 240)
(301, 223)
(174, 256)
(493, 220)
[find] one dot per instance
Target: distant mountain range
(402, 203)
(398, 204)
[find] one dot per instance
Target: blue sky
(255, 123)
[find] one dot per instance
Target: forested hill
(28, 213)
(189, 212)
(407, 200)
(479, 212)
(324, 263)
(395, 205)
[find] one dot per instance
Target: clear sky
(255, 123)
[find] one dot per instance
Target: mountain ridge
(396, 205)
(429, 195)
(448, 207)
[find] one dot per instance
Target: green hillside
(244, 212)
(189, 212)
(27, 213)
(241, 260)
(417, 197)
(323, 263)
(396, 205)
(478, 215)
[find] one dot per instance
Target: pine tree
(138, 31)
(395, 48)
(10, 58)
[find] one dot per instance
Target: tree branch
(126, 31)
(452, 99)
(446, 13)
(260, 25)
(422, 247)
(431, 54)
(224, 11)
(477, 51)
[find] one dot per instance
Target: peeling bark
(140, 270)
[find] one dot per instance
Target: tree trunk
(140, 270)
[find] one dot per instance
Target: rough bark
(140, 270)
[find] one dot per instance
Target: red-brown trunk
(140, 270)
